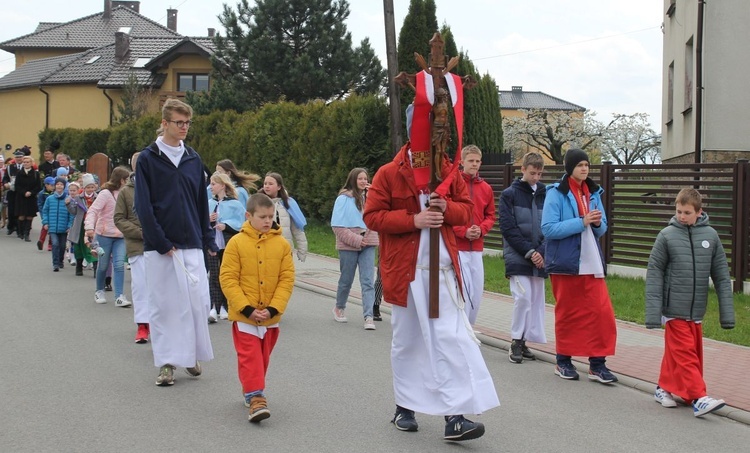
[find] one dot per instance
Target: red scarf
(582, 195)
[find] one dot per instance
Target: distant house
(72, 74)
(515, 102)
(705, 98)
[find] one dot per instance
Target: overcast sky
(603, 55)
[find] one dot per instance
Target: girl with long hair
(243, 181)
(288, 215)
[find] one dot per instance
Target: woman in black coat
(28, 184)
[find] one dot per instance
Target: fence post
(740, 224)
(507, 175)
(607, 183)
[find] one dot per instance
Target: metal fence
(639, 201)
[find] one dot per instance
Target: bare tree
(552, 132)
(631, 140)
(136, 100)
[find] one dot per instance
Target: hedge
(313, 146)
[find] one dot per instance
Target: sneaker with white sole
(458, 428)
(194, 371)
(705, 405)
(122, 301)
(212, 317)
(166, 376)
(223, 313)
(100, 298)
(664, 398)
(338, 315)
(369, 323)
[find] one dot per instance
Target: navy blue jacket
(171, 202)
(562, 226)
(521, 225)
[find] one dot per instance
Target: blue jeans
(58, 240)
(348, 262)
(116, 248)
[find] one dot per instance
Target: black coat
(27, 182)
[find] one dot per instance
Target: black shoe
(404, 419)
(526, 352)
(515, 353)
(108, 284)
(376, 313)
(458, 428)
(39, 245)
(55, 269)
(10, 231)
(79, 268)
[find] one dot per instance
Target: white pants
(178, 308)
(527, 322)
(138, 288)
(472, 276)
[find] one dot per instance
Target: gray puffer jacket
(682, 260)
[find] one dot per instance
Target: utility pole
(393, 90)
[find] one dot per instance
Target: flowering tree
(631, 140)
(551, 132)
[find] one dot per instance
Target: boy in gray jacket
(684, 255)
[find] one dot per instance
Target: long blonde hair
(221, 178)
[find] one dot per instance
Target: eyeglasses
(182, 124)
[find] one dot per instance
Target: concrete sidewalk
(639, 350)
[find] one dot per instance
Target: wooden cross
(439, 138)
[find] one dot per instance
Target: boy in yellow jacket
(257, 277)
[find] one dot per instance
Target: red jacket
(483, 214)
(392, 203)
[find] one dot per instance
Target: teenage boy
(523, 251)
(686, 253)
(172, 206)
(470, 237)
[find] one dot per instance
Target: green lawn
(627, 294)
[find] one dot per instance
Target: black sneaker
(458, 428)
(107, 283)
(404, 419)
(39, 245)
(515, 354)
(526, 352)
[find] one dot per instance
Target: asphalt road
(72, 379)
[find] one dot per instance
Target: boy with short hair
(684, 255)
(57, 220)
(523, 251)
(470, 237)
(41, 197)
(257, 277)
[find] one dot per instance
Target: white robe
(138, 288)
(438, 368)
(472, 276)
(178, 309)
(527, 322)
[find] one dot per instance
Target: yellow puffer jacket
(257, 271)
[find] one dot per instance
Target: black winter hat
(574, 157)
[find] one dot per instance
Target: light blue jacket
(562, 226)
(55, 214)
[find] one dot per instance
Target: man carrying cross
(438, 368)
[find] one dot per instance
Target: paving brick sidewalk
(639, 350)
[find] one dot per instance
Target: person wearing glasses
(172, 206)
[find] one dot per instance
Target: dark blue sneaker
(458, 428)
(603, 375)
(566, 371)
(404, 419)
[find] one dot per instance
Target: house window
(670, 93)
(192, 82)
(689, 75)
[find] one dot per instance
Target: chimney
(211, 32)
(133, 5)
(122, 45)
(172, 19)
(107, 9)
(517, 88)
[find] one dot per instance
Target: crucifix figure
(438, 80)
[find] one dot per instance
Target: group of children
(554, 230)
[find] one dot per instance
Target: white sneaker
(338, 314)
(369, 324)
(212, 316)
(223, 313)
(664, 397)
(122, 301)
(72, 260)
(100, 298)
(703, 406)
